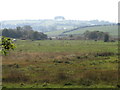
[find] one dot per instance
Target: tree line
(25, 32)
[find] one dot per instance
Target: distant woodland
(25, 32)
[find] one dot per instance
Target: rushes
(15, 76)
(85, 67)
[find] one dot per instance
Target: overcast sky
(71, 9)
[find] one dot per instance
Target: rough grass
(61, 64)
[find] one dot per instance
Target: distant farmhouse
(59, 18)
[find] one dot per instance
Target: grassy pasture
(61, 64)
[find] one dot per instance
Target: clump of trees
(25, 32)
(97, 35)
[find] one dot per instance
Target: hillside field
(61, 64)
(111, 29)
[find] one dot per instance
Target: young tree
(27, 27)
(6, 45)
(5, 32)
(106, 38)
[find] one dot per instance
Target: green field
(61, 64)
(112, 30)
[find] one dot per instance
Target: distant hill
(48, 25)
(111, 29)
